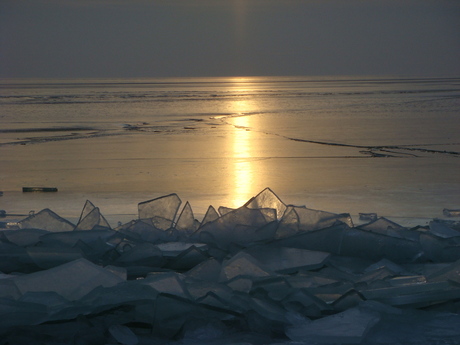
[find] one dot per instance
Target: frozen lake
(345, 145)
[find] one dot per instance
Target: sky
(185, 38)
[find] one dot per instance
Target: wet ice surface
(265, 273)
(374, 144)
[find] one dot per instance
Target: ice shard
(72, 280)
(167, 282)
(25, 237)
(438, 249)
(267, 199)
(144, 254)
(208, 270)
(326, 240)
(144, 230)
(310, 219)
(224, 210)
(17, 313)
(91, 217)
(448, 273)
(199, 290)
(235, 226)
(162, 211)
(348, 327)
(174, 249)
(70, 239)
(289, 223)
(287, 260)
(186, 223)
(243, 264)
(48, 257)
(189, 258)
(386, 227)
(46, 220)
(210, 216)
(441, 229)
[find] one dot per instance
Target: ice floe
(265, 273)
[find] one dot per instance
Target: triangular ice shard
(380, 225)
(210, 216)
(91, 217)
(289, 223)
(87, 209)
(208, 270)
(386, 227)
(161, 210)
(224, 210)
(242, 264)
(46, 220)
(186, 223)
(169, 282)
(267, 199)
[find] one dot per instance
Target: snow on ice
(265, 273)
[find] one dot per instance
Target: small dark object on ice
(39, 189)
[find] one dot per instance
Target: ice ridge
(264, 273)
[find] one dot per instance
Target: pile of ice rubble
(265, 273)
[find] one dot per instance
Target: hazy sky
(156, 38)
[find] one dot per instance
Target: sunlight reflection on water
(242, 170)
(243, 173)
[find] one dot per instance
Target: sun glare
(242, 147)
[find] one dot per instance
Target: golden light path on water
(243, 173)
(242, 170)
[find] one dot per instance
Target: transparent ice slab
(46, 220)
(72, 280)
(237, 226)
(243, 264)
(162, 211)
(25, 237)
(300, 219)
(285, 260)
